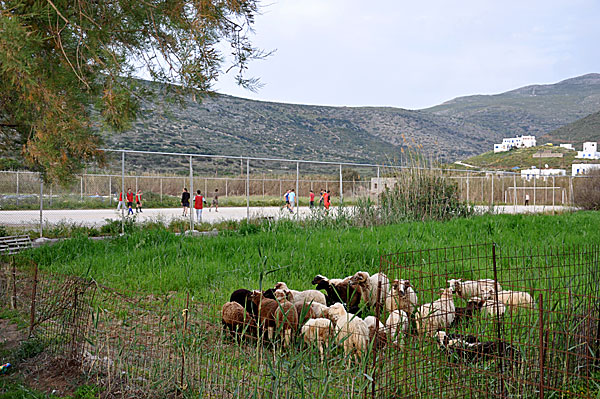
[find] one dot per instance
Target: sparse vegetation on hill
(585, 129)
(523, 158)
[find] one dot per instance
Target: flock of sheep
(336, 315)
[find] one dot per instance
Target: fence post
(191, 195)
(205, 186)
(492, 195)
(33, 295)
(541, 348)
(185, 323)
(374, 346)
(122, 195)
(280, 188)
(81, 188)
(498, 325)
(341, 187)
(468, 187)
(17, 188)
(515, 193)
(553, 184)
(263, 186)
(136, 184)
(109, 190)
(534, 188)
(226, 187)
(161, 189)
(248, 189)
(571, 202)
(297, 189)
(41, 206)
(377, 190)
(13, 299)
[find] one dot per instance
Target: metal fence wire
(528, 328)
(538, 335)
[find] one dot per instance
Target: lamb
(369, 286)
(309, 311)
(397, 323)
(319, 331)
(307, 296)
(339, 290)
(372, 321)
(436, 315)
(516, 299)
(236, 319)
(402, 297)
(273, 314)
(464, 313)
(480, 288)
(352, 331)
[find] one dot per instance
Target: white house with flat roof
(515, 142)
(590, 151)
(583, 168)
(568, 146)
(535, 173)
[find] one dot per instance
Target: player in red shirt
(326, 200)
(121, 203)
(198, 205)
(138, 201)
(311, 199)
(129, 196)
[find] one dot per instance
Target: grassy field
(158, 261)
(209, 268)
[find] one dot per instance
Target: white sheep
(436, 315)
(351, 331)
(319, 331)
(301, 297)
(402, 296)
(516, 299)
(370, 285)
(397, 323)
(372, 321)
(466, 289)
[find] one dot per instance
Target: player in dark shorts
(311, 199)
(185, 200)
(215, 201)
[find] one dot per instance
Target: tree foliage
(66, 67)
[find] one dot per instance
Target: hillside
(454, 130)
(535, 110)
(585, 129)
(523, 158)
(236, 126)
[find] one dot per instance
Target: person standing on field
(526, 199)
(215, 201)
(198, 205)
(121, 203)
(321, 198)
(292, 200)
(286, 198)
(129, 201)
(326, 201)
(311, 199)
(138, 201)
(185, 201)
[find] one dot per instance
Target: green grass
(523, 158)
(158, 261)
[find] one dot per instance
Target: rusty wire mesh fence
(538, 335)
(535, 334)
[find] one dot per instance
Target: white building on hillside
(583, 168)
(515, 142)
(590, 151)
(535, 173)
(568, 146)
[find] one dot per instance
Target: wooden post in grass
(185, 324)
(33, 295)
(122, 196)
(13, 298)
(541, 342)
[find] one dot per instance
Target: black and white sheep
(473, 350)
(339, 290)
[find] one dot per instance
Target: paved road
(90, 217)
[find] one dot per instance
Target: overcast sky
(419, 53)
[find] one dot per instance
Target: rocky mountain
(457, 129)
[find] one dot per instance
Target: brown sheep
(236, 319)
(274, 315)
